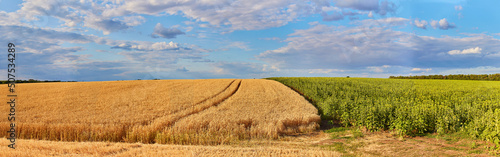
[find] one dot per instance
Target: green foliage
(410, 107)
(356, 133)
(337, 129)
(486, 77)
(486, 127)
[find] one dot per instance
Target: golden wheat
(164, 111)
(51, 148)
(102, 111)
(259, 109)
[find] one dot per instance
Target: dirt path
(52, 148)
(318, 143)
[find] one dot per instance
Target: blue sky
(87, 40)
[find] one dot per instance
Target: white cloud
(240, 45)
(476, 50)
(434, 24)
(148, 46)
(35, 40)
(112, 16)
(164, 46)
(11, 18)
(329, 47)
(324, 71)
(272, 38)
(420, 24)
(351, 13)
(442, 24)
(335, 16)
(74, 13)
(390, 21)
(238, 15)
(101, 50)
(393, 20)
(378, 69)
(327, 8)
(458, 7)
(339, 14)
(33, 37)
(382, 7)
(33, 9)
(105, 25)
(494, 55)
(133, 20)
(313, 23)
(188, 29)
(358, 4)
(169, 33)
(239, 69)
(419, 69)
(385, 7)
(368, 45)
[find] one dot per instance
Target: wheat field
(214, 111)
(259, 109)
(52, 148)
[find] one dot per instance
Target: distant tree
(490, 77)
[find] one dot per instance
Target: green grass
(347, 148)
(409, 107)
(337, 129)
(357, 133)
(339, 132)
(450, 136)
(477, 151)
(337, 146)
(348, 133)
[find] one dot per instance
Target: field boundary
(320, 111)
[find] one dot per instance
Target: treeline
(488, 77)
(32, 81)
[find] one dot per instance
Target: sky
(86, 40)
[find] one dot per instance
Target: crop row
(160, 111)
(409, 107)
